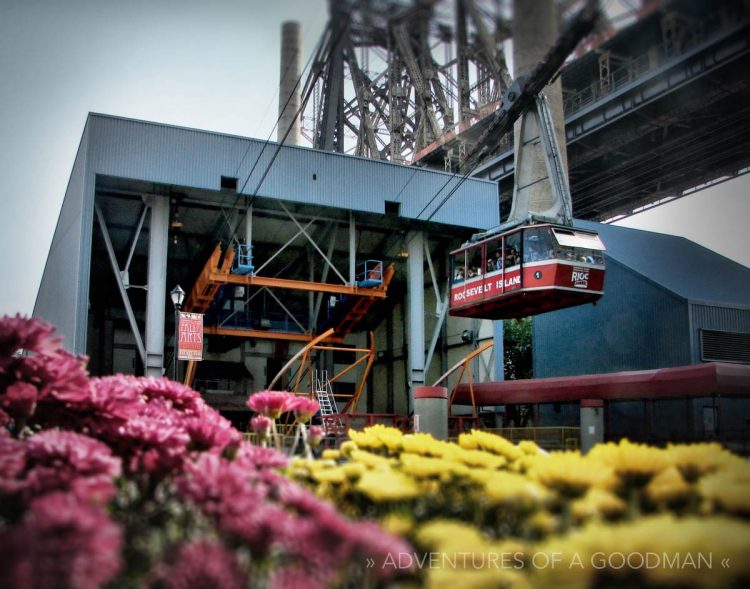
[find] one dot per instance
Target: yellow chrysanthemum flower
(353, 470)
(426, 467)
(330, 454)
(369, 459)
(696, 460)
(334, 475)
(505, 488)
(570, 473)
(346, 448)
(398, 524)
(543, 523)
(425, 444)
(387, 485)
(474, 577)
(478, 458)
(634, 463)
(529, 447)
(668, 486)
(728, 490)
(597, 503)
(365, 439)
(477, 439)
(664, 550)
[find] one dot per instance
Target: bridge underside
(659, 109)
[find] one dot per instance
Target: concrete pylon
(289, 84)
(535, 29)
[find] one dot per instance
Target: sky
(210, 65)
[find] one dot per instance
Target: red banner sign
(190, 345)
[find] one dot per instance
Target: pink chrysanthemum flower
(253, 457)
(23, 333)
(12, 465)
(155, 441)
(201, 564)
(315, 435)
(304, 408)
(175, 394)
(261, 425)
(211, 431)
(20, 399)
(269, 403)
(61, 543)
(293, 577)
(219, 487)
(67, 461)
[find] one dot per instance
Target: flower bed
(484, 512)
(136, 482)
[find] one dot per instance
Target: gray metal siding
(63, 293)
(717, 318)
(636, 325)
(187, 157)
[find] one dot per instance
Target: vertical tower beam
(156, 299)
(415, 309)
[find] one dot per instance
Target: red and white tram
(525, 271)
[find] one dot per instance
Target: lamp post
(178, 296)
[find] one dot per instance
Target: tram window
(512, 249)
(475, 266)
(538, 244)
(459, 267)
(495, 255)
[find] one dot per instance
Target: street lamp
(178, 296)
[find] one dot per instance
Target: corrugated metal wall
(187, 157)
(718, 318)
(63, 293)
(636, 325)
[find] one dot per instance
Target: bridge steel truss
(389, 79)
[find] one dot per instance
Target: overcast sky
(211, 65)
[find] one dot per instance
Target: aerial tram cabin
(525, 271)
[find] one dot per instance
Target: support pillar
(431, 411)
(535, 29)
(415, 308)
(592, 423)
(156, 300)
(352, 249)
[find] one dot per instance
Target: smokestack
(289, 87)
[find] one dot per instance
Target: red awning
(684, 381)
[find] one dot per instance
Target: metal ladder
(327, 402)
(324, 393)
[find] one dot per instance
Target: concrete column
(415, 311)
(431, 411)
(156, 299)
(535, 29)
(289, 84)
(592, 423)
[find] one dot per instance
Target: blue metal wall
(636, 325)
(188, 157)
(717, 318)
(63, 293)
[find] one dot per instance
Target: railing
(549, 438)
(633, 69)
(219, 386)
(370, 273)
(250, 320)
(340, 424)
